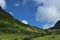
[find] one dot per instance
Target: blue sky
(41, 13)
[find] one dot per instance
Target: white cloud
(11, 13)
(24, 21)
(46, 26)
(50, 12)
(2, 3)
(17, 4)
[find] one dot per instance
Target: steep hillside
(11, 28)
(10, 24)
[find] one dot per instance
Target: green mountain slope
(8, 24)
(49, 37)
(54, 33)
(11, 28)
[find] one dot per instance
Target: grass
(9, 23)
(49, 37)
(4, 36)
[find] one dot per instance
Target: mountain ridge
(8, 22)
(56, 26)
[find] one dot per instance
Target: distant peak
(58, 21)
(0, 7)
(57, 25)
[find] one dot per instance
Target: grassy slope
(12, 36)
(8, 22)
(49, 37)
(20, 37)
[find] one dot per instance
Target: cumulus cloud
(17, 4)
(50, 12)
(24, 21)
(2, 3)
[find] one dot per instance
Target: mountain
(11, 25)
(53, 33)
(11, 28)
(55, 29)
(57, 25)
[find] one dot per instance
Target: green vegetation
(13, 29)
(9, 23)
(9, 26)
(49, 37)
(5, 36)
